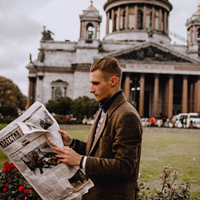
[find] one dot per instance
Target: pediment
(152, 52)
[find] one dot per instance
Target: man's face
(102, 89)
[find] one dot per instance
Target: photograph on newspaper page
(27, 142)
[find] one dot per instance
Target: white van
(187, 120)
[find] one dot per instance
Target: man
(112, 152)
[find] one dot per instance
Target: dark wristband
(72, 143)
(81, 162)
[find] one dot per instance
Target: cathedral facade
(158, 77)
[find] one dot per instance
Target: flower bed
(13, 186)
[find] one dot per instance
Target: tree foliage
(84, 106)
(11, 98)
(79, 108)
(60, 106)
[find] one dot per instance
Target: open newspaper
(27, 142)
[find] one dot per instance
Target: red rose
(6, 163)
(26, 191)
(152, 197)
(25, 198)
(4, 170)
(7, 184)
(0, 194)
(5, 189)
(12, 165)
(21, 188)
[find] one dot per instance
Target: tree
(11, 98)
(84, 106)
(60, 106)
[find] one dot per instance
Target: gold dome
(91, 7)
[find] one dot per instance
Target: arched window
(115, 22)
(140, 19)
(90, 31)
(124, 20)
(150, 20)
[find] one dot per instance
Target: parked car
(187, 120)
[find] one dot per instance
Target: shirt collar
(107, 104)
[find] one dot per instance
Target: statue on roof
(30, 58)
(46, 35)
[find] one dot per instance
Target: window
(150, 20)
(115, 22)
(140, 19)
(90, 31)
(124, 20)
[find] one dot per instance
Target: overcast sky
(22, 21)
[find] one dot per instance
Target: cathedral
(158, 77)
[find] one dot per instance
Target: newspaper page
(27, 142)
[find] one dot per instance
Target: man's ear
(114, 81)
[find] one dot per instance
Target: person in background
(111, 155)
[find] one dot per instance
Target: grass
(181, 151)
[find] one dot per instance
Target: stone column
(141, 100)
(165, 21)
(127, 16)
(82, 29)
(185, 95)
(153, 18)
(160, 20)
(195, 97)
(127, 86)
(191, 98)
(171, 96)
(156, 96)
(191, 32)
(113, 21)
(31, 91)
(107, 22)
(198, 93)
(144, 17)
(119, 18)
(136, 16)
(96, 25)
(195, 34)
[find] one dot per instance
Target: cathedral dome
(137, 20)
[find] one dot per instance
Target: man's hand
(67, 139)
(68, 156)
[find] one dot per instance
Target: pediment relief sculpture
(151, 53)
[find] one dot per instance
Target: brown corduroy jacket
(113, 157)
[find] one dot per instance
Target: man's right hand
(67, 139)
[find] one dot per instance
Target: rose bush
(13, 186)
(169, 189)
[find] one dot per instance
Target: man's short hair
(109, 66)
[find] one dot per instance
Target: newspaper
(27, 142)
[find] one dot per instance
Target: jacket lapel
(100, 131)
(92, 132)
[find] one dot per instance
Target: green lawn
(181, 151)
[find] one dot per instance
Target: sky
(22, 21)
